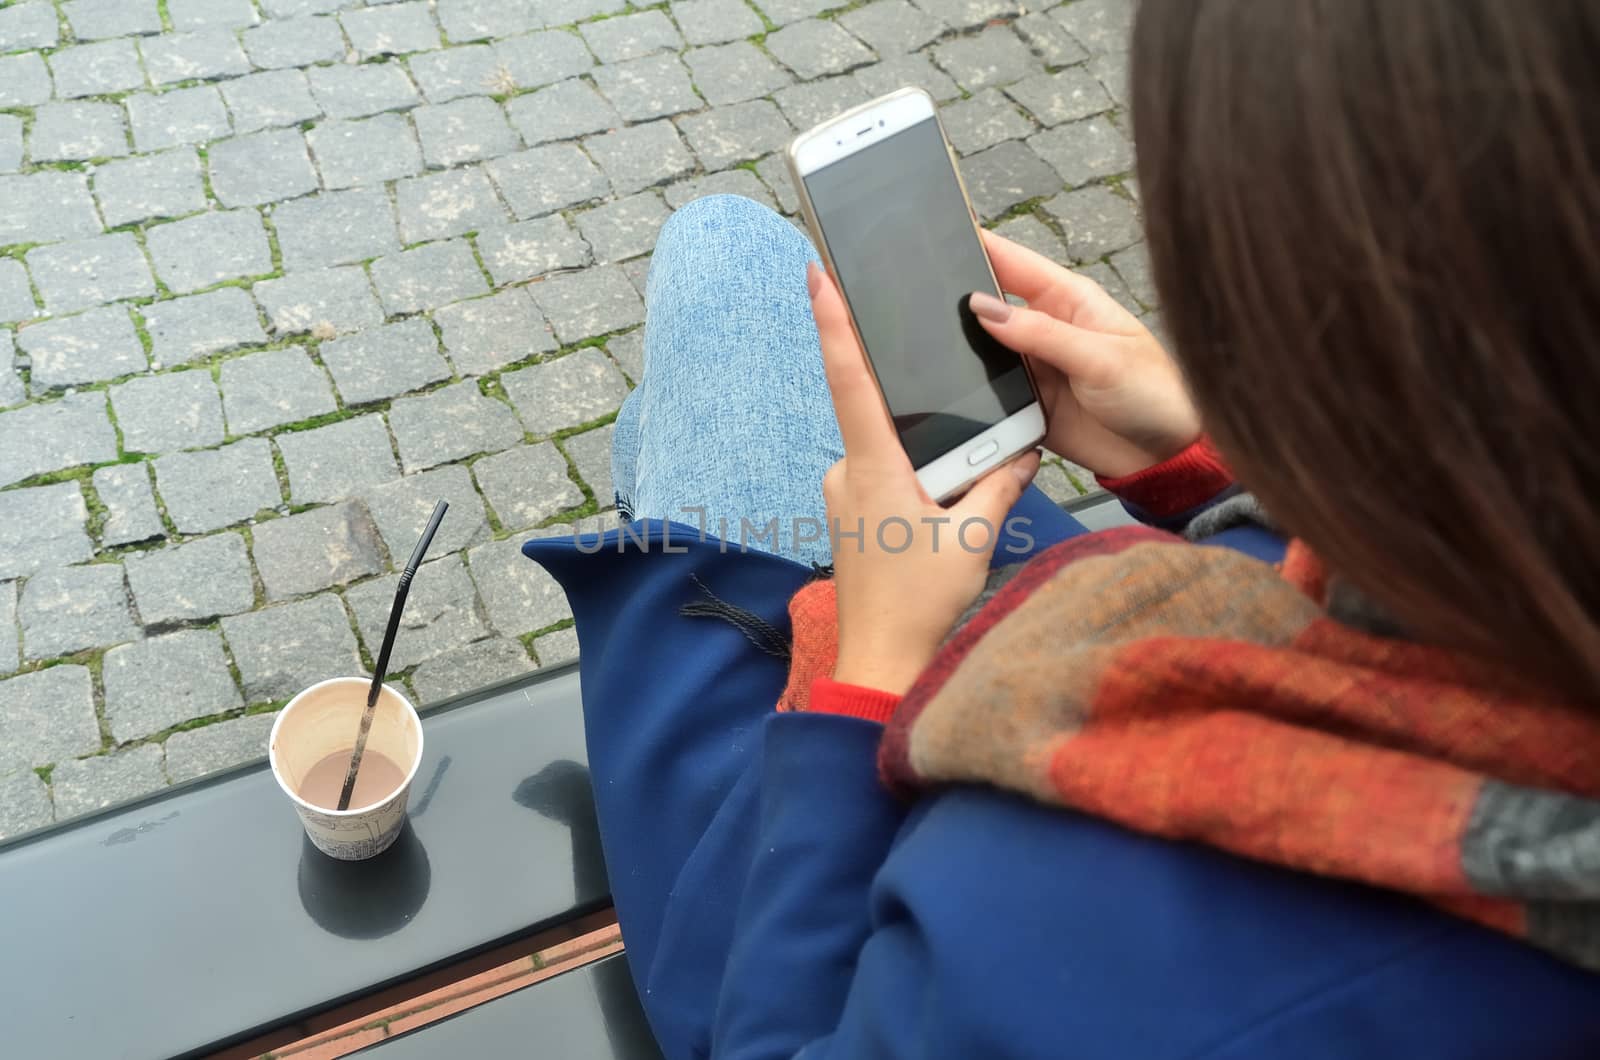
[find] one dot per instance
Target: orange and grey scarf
(1197, 694)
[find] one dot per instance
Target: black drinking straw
(388, 646)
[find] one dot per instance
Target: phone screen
(903, 243)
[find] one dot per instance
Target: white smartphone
(889, 213)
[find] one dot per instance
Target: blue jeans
(732, 427)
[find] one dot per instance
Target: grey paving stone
(29, 25)
(10, 143)
(518, 595)
(451, 423)
(655, 86)
(729, 182)
(441, 612)
(716, 21)
(815, 48)
(1133, 265)
(402, 508)
(283, 650)
(214, 488)
(42, 527)
(624, 228)
(158, 683)
(774, 171)
(325, 302)
(628, 351)
(469, 20)
(94, 346)
(53, 435)
(562, 111)
(210, 749)
(527, 485)
(1084, 150)
(455, 73)
(733, 73)
(1003, 176)
(1034, 234)
(339, 228)
(738, 133)
(269, 99)
(211, 14)
(385, 361)
(47, 717)
(393, 29)
(783, 12)
(892, 26)
(427, 277)
(1049, 40)
(1101, 25)
(130, 503)
(138, 189)
(260, 168)
(988, 118)
(566, 392)
(90, 272)
(616, 40)
(271, 388)
(193, 582)
(181, 116)
(1112, 284)
(45, 207)
(298, 8)
(74, 608)
(591, 452)
(996, 56)
(966, 14)
(1111, 69)
(24, 800)
(556, 648)
(76, 132)
(199, 325)
(85, 785)
(16, 296)
(1095, 221)
(897, 71)
(294, 42)
(464, 131)
(103, 19)
(203, 55)
(530, 249)
(544, 179)
(464, 670)
(485, 334)
(24, 80)
(372, 151)
(1069, 95)
(316, 550)
(174, 410)
(12, 391)
(641, 156)
(345, 91)
(637, 270)
(562, 12)
(812, 102)
(96, 69)
(10, 647)
(581, 305)
(540, 59)
(337, 461)
(209, 248)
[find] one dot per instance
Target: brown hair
(1375, 229)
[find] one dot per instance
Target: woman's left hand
(915, 566)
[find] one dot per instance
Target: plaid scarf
(1197, 694)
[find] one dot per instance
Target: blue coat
(777, 902)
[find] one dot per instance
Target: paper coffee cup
(323, 720)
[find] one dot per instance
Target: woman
(1139, 797)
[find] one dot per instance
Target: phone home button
(982, 452)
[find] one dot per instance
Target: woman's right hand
(1114, 400)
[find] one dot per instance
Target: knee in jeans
(730, 221)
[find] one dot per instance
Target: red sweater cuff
(1177, 484)
(852, 701)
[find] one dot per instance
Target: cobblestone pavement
(277, 274)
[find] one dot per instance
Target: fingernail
(990, 308)
(1026, 467)
(813, 278)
